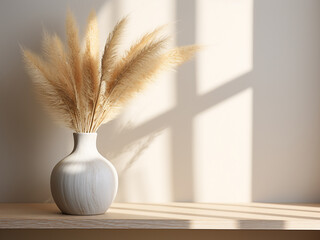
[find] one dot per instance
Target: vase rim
(83, 133)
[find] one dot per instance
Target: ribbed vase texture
(84, 182)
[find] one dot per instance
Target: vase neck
(85, 142)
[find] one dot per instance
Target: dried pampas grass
(82, 89)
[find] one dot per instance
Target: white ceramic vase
(84, 183)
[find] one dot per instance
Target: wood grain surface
(166, 216)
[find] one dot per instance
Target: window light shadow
(250, 212)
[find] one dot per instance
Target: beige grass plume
(82, 89)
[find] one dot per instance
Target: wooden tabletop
(166, 216)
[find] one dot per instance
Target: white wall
(240, 123)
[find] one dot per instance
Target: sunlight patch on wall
(106, 21)
(145, 16)
(222, 156)
(148, 177)
(144, 170)
(225, 28)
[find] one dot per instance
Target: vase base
(83, 214)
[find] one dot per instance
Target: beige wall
(240, 123)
